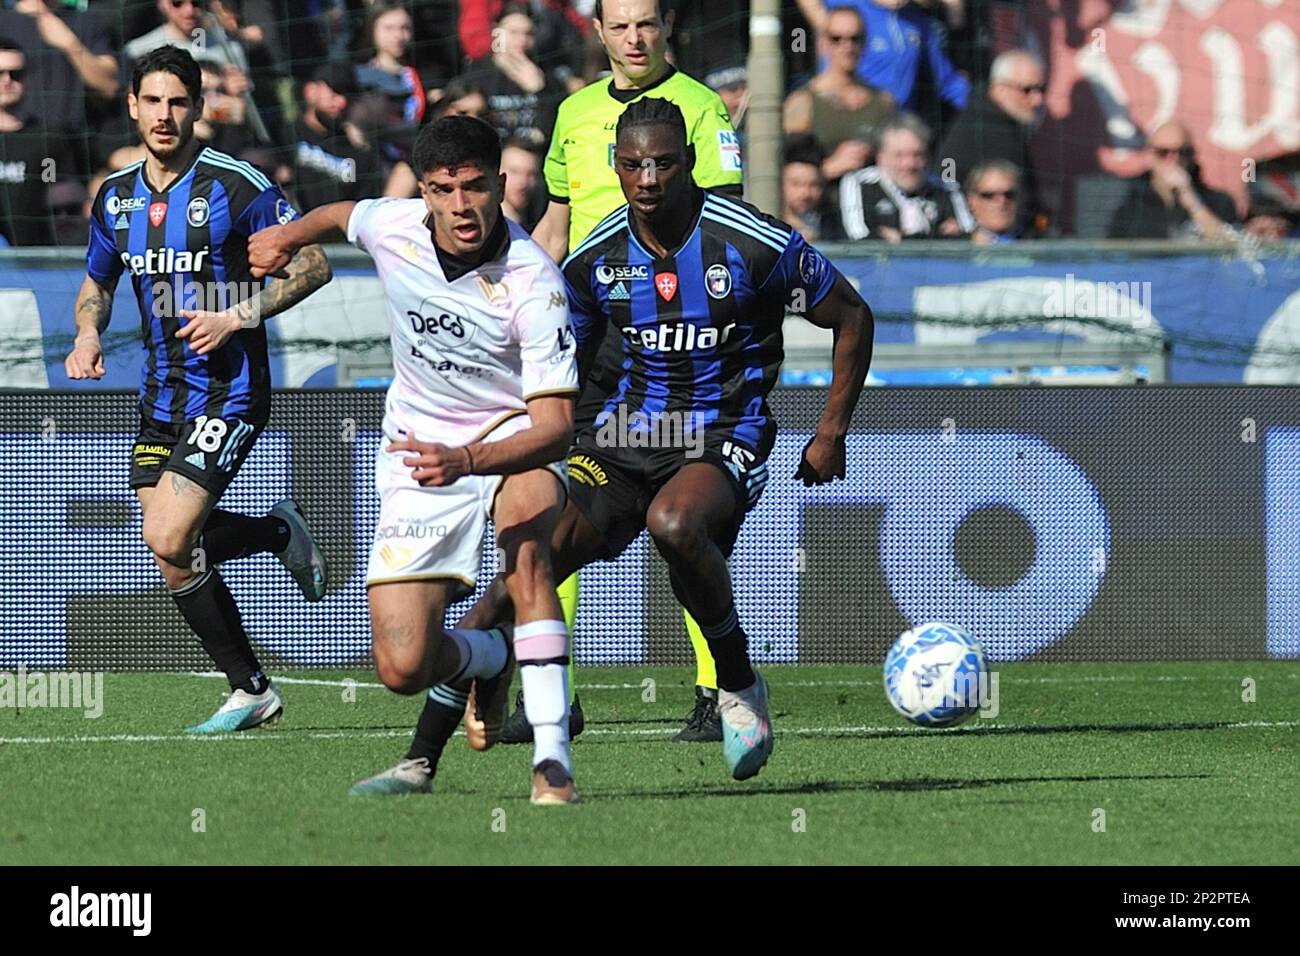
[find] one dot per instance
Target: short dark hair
(599, 13)
(11, 46)
(455, 141)
(801, 148)
(170, 59)
(652, 111)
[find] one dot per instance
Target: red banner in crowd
(1228, 69)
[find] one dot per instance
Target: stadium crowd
(902, 120)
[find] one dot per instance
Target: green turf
(1185, 770)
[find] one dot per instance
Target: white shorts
(432, 533)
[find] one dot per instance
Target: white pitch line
(594, 732)
(1089, 679)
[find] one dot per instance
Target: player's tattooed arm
(93, 308)
(845, 313)
(307, 271)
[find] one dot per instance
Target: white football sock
(482, 653)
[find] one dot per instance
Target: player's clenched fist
(269, 252)
(433, 465)
(86, 359)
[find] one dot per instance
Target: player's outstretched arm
(845, 313)
(93, 308)
(434, 464)
(271, 250)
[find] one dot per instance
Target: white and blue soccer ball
(933, 674)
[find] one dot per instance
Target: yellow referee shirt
(580, 164)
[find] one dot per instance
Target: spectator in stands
(331, 160)
(997, 124)
(388, 71)
(1270, 221)
(710, 41)
(522, 97)
(898, 198)
(434, 50)
(460, 97)
(993, 194)
(222, 125)
(69, 59)
(803, 193)
(836, 108)
(182, 19)
(1170, 200)
(902, 42)
(731, 83)
(523, 201)
(26, 147)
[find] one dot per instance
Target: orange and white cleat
(553, 785)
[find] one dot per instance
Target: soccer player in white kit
(477, 424)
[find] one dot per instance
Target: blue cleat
(243, 711)
(301, 556)
(409, 776)
(747, 736)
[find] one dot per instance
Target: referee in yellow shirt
(584, 189)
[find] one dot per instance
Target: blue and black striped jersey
(186, 246)
(701, 329)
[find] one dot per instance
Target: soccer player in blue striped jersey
(178, 221)
(698, 285)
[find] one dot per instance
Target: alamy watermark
(73, 690)
(669, 429)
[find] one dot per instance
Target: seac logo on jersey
(607, 274)
(114, 204)
(718, 281)
(197, 212)
(666, 283)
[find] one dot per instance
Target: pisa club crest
(666, 283)
(718, 281)
(157, 213)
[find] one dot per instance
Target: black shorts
(613, 486)
(208, 451)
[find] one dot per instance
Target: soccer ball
(932, 674)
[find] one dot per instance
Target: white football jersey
(468, 353)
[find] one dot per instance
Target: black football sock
(209, 608)
(444, 709)
(230, 535)
(730, 650)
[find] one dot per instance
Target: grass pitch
(1169, 758)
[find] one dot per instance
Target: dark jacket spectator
(522, 97)
(30, 159)
(803, 193)
(996, 125)
(1170, 201)
(329, 165)
(68, 56)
